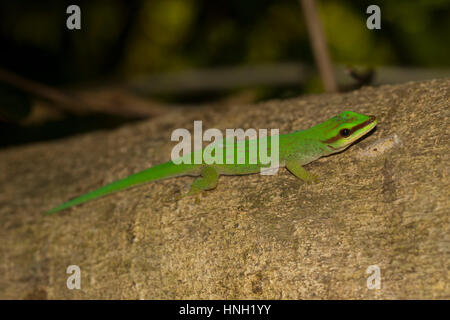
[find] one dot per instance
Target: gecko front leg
(297, 170)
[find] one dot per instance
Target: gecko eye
(345, 132)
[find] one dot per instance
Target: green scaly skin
(295, 150)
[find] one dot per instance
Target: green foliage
(279, 34)
(161, 29)
(349, 40)
(169, 35)
(420, 31)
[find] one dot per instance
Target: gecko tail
(158, 172)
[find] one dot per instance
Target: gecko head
(342, 130)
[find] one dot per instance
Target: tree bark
(384, 202)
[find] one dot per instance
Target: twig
(319, 45)
(216, 79)
(115, 101)
(284, 74)
(61, 100)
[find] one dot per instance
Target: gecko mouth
(369, 124)
(371, 120)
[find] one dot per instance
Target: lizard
(296, 149)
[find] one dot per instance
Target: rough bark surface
(383, 202)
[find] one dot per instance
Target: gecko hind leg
(208, 180)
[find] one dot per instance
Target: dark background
(124, 41)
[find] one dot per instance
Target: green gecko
(295, 150)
